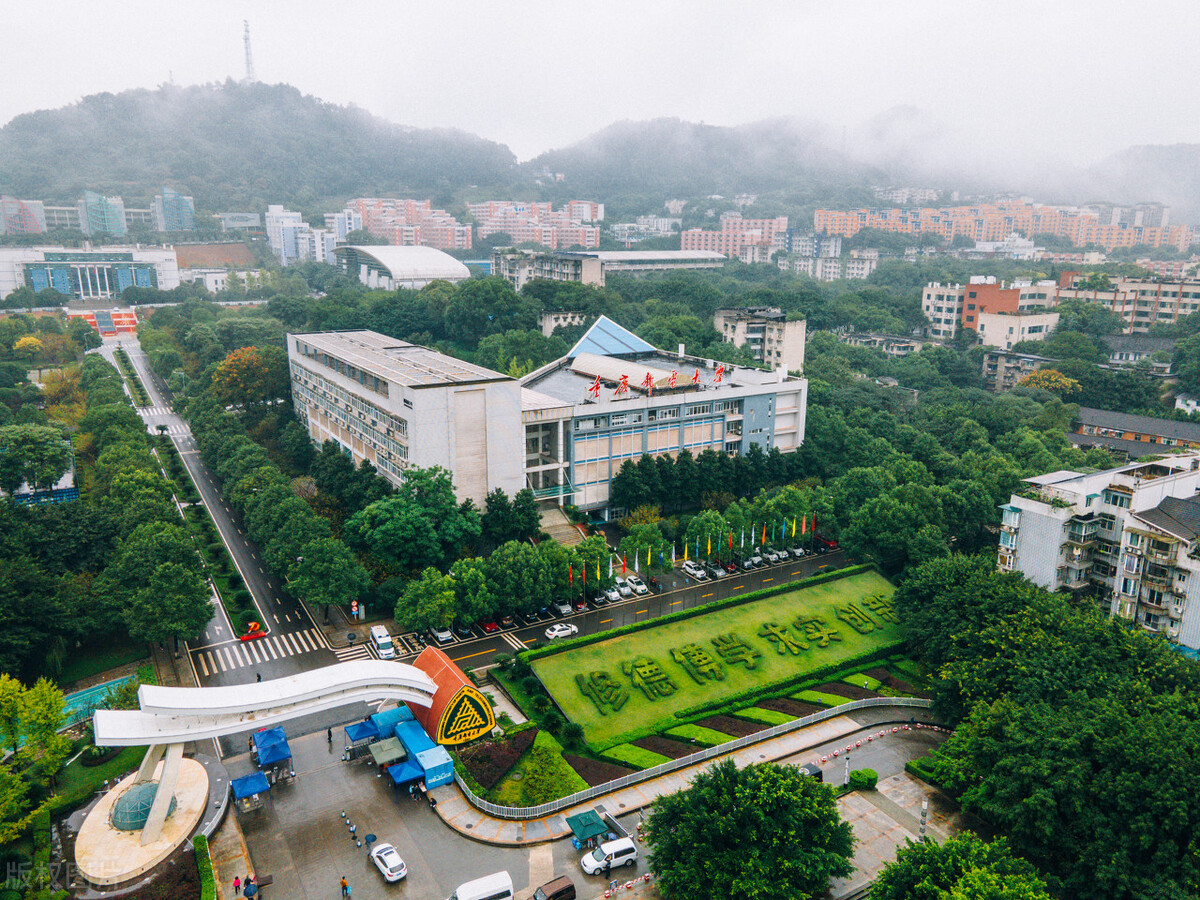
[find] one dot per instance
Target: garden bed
(594, 771)
(849, 691)
(490, 761)
(731, 726)
(796, 708)
(665, 746)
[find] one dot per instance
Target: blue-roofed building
(613, 397)
(172, 211)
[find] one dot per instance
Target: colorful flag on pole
(793, 526)
(804, 524)
(685, 556)
(743, 543)
(763, 539)
(730, 538)
(637, 554)
(710, 545)
(583, 573)
(571, 574)
(660, 557)
(814, 523)
(622, 565)
(672, 554)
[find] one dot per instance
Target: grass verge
(764, 716)
(820, 698)
(77, 783)
(706, 737)
(629, 755)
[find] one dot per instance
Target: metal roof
(396, 361)
(1187, 431)
(411, 264)
(607, 338)
(1177, 517)
(611, 369)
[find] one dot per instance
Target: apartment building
(949, 307)
(172, 211)
(750, 240)
(410, 223)
(1128, 536)
(1141, 302)
(765, 330)
(22, 216)
(996, 221)
(1134, 436)
(1003, 370)
(102, 215)
(396, 405)
(540, 223)
(888, 344)
(1004, 329)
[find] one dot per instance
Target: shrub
(488, 762)
(208, 884)
(531, 685)
(502, 661)
(547, 774)
(572, 734)
(863, 779)
(541, 703)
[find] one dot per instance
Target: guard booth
(273, 755)
(250, 791)
(359, 737)
(587, 829)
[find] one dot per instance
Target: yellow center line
(676, 603)
(704, 596)
(605, 621)
(795, 573)
(765, 580)
(640, 611)
(739, 587)
(470, 655)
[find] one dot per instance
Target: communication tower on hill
(250, 79)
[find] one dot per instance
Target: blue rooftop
(607, 338)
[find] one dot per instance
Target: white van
(383, 642)
(497, 886)
(621, 852)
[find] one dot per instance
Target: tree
(174, 603)
(965, 867)
(42, 718)
(527, 518)
(34, 454)
(735, 834)
(327, 574)
(27, 347)
(474, 600)
(427, 602)
(1050, 380)
(12, 693)
(517, 578)
(498, 523)
(252, 375)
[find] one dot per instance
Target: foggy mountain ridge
(240, 146)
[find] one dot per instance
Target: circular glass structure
(132, 808)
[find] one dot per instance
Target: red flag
(731, 540)
(622, 564)
(720, 374)
(696, 377)
(583, 572)
(571, 574)
(814, 522)
(804, 525)
(671, 380)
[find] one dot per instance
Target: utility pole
(250, 79)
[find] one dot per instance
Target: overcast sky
(1081, 77)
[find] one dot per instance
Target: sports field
(634, 681)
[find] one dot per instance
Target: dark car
(729, 567)
(508, 622)
(463, 630)
(489, 627)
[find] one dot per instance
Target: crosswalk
(212, 660)
(513, 641)
(155, 410)
(359, 651)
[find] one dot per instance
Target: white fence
(536, 812)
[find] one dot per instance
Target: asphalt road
(293, 642)
(680, 591)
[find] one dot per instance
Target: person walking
(258, 676)
(345, 887)
(329, 734)
(237, 886)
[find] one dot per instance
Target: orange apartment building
(995, 221)
(539, 222)
(751, 240)
(411, 223)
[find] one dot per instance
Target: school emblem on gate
(466, 717)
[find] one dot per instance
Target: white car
(623, 588)
(695, 571)
(612, 595)
(639, 586)
(561, 630)
(388, 861)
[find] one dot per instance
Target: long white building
(1130, 536)
(88, 274)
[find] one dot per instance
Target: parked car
(613, 595)
(388, 861)
(508, 622)
(730, 568)
(561, 630)
(694, 570)
(622, 588)
(489, 627)
(747, 563)
(579, 605)
(621, 852)
(757, 561)
(464, 630)
(797, 553)
(773, 557)
(639, 586)
(441, 634)
(714, 571)
(561, 888)
(544, 614)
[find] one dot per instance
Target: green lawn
(77, 783)
(635, 756)
(822, 699)
(764, 716)
(639, 680)
(707, 737)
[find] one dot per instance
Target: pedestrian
(345, 887)
(329, 734)
(237, 886)
(258, 676)
(607, 868)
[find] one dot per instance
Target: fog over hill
(240, 146)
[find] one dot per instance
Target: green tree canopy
(965, 867)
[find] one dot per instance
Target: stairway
(556, 524)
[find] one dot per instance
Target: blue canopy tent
(248, 791)
(273, 754)
(387, 720)
(359, 736)
(413, 737)
(404, 772)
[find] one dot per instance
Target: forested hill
(670, 157)
(236, 146)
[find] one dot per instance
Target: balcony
(1162, 557)
(1159, 605)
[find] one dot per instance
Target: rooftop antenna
(250, 79)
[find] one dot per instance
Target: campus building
(750, 240)
(102, 215)
(766, 331)
(1132, 435)
(98, 274)
(1003, 370)
(172, 211)
(1130, 536)
(1141, 302)
(22, 216)
(409, 223)
(593, 266)
(391, 268)
(563, 431)
(949, 307)
(572, 226)
(396, 405)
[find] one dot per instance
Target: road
(680, 591)
(293, 643)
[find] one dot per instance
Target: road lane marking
(675, 603)
(270, 647)
(292, 641)
(300, 636)
(203, 667)
(254, 652)
(705, 596)
(795, 573)
(472, 655)
(641, 611)
(765, 580)
(739, 587)
(605, 621)
(276, 618)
